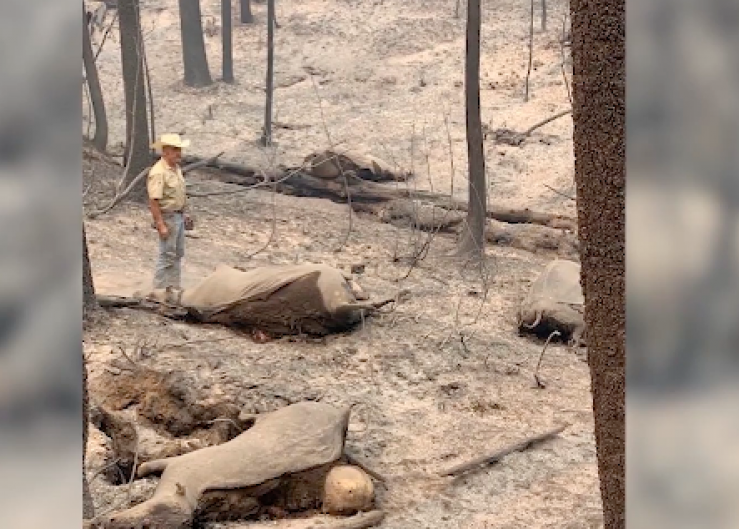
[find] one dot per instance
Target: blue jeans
(171, 251)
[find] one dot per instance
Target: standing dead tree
(197, 74)
(267, 130)
(137, 152)
(599, 117)
(472, 239)
(457, 8)
(531, 52)
(245, 14)
(227, 42)
(100, 139)
(543, 15)
(150, 96)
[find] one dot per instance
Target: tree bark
(197, 74)
(599, 80)
(267, 130)
(137, 154)
(88, 304)
(100, 139)
(472, 239)
(88, 288)
(150, 96)
(543, 15)
(245, 14)
(227, 42)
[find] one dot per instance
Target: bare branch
(105, 35)
(497, 456)
(538, 381)
(550, 188)
(119, 197)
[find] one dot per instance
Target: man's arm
(155, 189)
(156, 213)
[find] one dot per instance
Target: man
(167, 202)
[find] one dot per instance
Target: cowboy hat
(171, 140)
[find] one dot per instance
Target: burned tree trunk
(227, 42)
(88, 304)
(543, 15)
(472, 239)
(100, 139)
(267, 130)
(599, 82)
(197, 74)
(245, 14)
(136, 154)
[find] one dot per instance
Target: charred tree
(472, 238)
(100, 138)
(543, 15)
(245, 12)
(599, 86)
(267, 130)
(227, 42)
(197, 74)
(136, 155)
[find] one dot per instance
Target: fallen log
(297, 182)
(498, 455)
(163, 309)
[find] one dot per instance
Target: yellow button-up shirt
(167, 185)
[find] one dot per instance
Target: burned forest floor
(438, 379)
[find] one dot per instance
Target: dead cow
(313, 299)
(555, 303)
(296, 446)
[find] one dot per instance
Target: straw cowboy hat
(171, 140)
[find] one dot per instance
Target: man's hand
(189, 224)
(163, 230)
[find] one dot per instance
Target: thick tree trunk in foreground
(88, 304)
(132, 59)
(197, 74)
(472, 239)
(100, 139)
(599, 78)
(88, 288)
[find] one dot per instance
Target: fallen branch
(511, 137)
(163, 309)
(497, 456)
(358, 521)
(117, 301)
(368, 196)
(543, 122)
(560, 193)
(537, 380)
